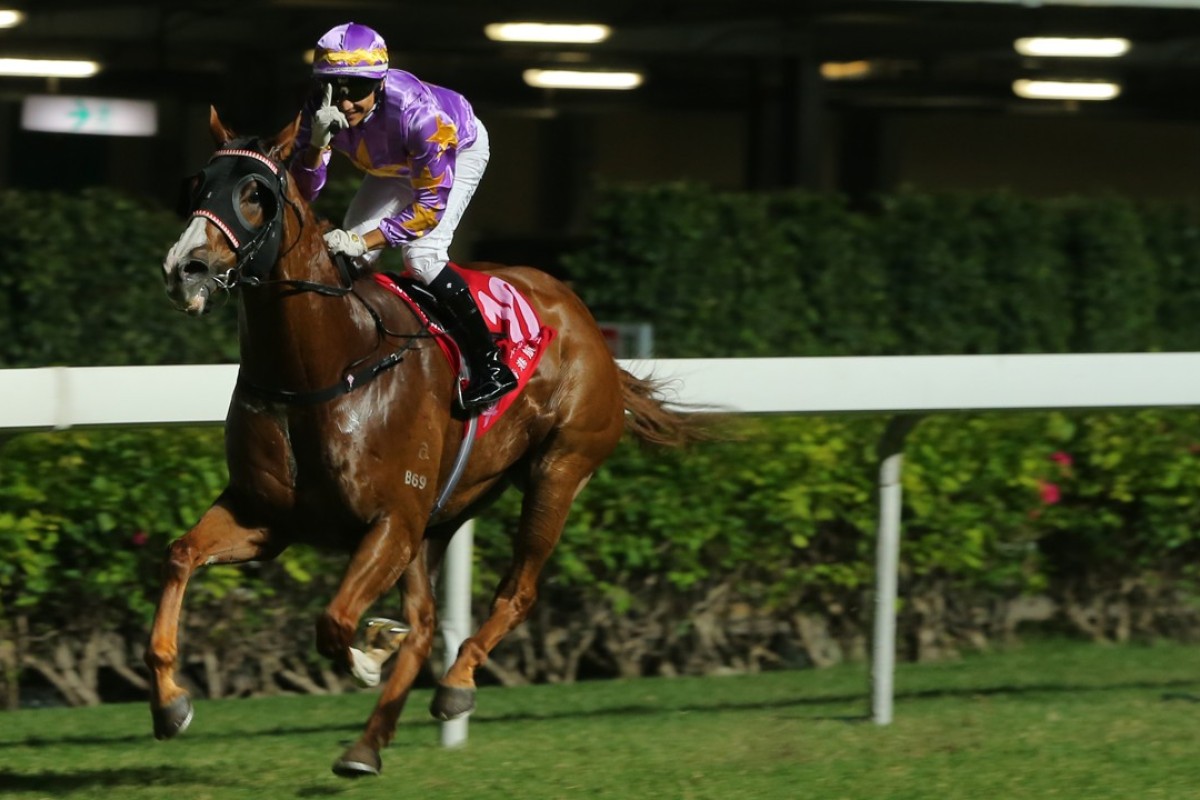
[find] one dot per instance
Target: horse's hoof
(358, 761)
(451, 702)
(174, 718)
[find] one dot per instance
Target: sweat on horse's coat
(359, 470)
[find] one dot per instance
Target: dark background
(733, 97)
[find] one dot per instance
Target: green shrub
(82, 285)
(996, 505)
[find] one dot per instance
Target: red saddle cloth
(520, 335)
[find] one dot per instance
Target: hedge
(747, 552)
(795, 274)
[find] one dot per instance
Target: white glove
(350, 244)
(327, 120)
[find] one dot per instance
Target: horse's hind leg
(387, 552)
(362, 757)
(552, 487)
(218, 538)
(380, 559)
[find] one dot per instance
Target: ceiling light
(47, 68)
(1078, 48)
(578, 79)
(845, 70)
(546, 32)
(1066, 90)
(10, 18)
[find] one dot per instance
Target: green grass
(1051, 720)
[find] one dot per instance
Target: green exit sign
(104, 116)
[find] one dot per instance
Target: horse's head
(235, 211)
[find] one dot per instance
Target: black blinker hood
(218, 199)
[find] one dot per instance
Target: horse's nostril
(193, 268)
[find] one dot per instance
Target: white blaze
(193, 237)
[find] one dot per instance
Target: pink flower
(1050, 493)
(139, 538)
(1062, 458)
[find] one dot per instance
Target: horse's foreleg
(217, 538)
(544, 511)
(362, 758)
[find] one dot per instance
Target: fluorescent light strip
(1057, 46)
(1066, 90)
(577, 79)
(10, 18)
(46, 68)
(546, 32)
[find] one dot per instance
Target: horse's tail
(649, 418)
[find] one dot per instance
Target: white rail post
(456, 616)
(887, 564)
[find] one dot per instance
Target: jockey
(423, 151)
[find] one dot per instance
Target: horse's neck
(297, 338)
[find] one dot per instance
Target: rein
(354, 378)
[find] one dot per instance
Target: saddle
(520, 336)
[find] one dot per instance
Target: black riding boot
(490, 377)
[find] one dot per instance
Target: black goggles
(347, 88)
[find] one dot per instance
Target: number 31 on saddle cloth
(520, 335)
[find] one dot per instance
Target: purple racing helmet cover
(352, 50)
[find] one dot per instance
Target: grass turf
(1048, 720)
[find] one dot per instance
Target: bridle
(218, 199)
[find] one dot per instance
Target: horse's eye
(254, 197)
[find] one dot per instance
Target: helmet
(352, 50)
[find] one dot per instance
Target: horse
(342, 428)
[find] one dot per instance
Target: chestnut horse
(356, 465)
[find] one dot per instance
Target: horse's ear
(284, 142)
(220, 133)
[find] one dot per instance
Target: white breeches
(379, 198)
